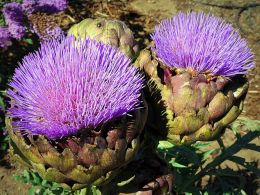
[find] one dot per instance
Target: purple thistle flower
(30, 6)
(202, 43)
(68, 86)
(13, 13)
(5, 37)
(55, 33)
(50, 33)
(52, 6)
(15, 19)
(17, 31)
(49, 6)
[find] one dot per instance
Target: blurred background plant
(19, 19)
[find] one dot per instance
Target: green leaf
(44, 183)
(199, 145)
(254, 169)
(227, 172)
(227, 153)
(192, 190)
(122, 183)
(32, 191)
(2, 104)
(177, 165)
(27, 175)
(247, 165)
(245, 124)
(95, 191)
(208, 153)
(2, 20)
(41, 186)
(229, 185)
(243, 192)
(252, 146)
(237, 159)
(28, 40)
(47, 192)
(234, 148)
(165, 145)
(36, 179)
(190, 155)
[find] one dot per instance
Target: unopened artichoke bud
(76, 113)
(196, 69)
(111, 32)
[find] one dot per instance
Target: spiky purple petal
(66, 87)
(203, 43)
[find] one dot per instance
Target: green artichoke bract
(111, 32)
(196, 77)
(77, 162)
(78, 116)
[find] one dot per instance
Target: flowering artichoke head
(112, 32)
(196, 76)
(76, 113)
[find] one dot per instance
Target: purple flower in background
(13, 13)
(2, 112)
(50, 33)
(54, 33)
(5, 37)
(15, 19)
(17, 31)
(53, 5)
(66, 87)
(203, 43)
(30, 6)
(49, 6)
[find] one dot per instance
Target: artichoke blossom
(76, 111)
(112, 32)
(196, 69)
